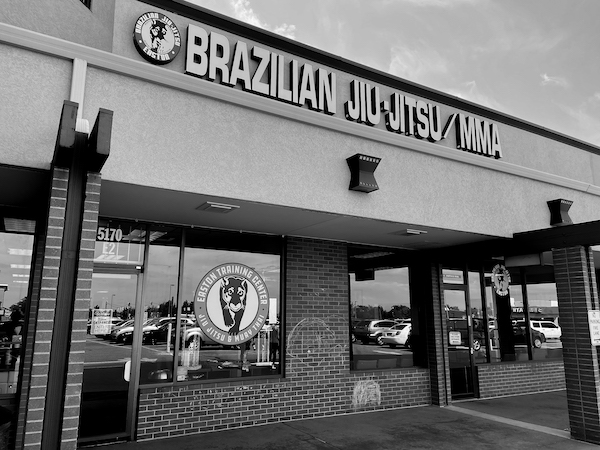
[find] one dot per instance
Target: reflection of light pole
(170, 298)
(112, 298)
(169, 326)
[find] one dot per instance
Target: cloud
(244, 12)
(470, 91)
(286, 30)
(586, 119)
(554, 81)
(422, 66)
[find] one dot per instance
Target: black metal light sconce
(362, 168)
(559, 212)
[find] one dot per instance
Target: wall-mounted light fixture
(362, 168)
(559, 212)
(409, 232)
(215, 207)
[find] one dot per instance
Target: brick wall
(317, 382)
(41, 320)
(520, 378)
(577, 294)
(38, 348)
(70, 425)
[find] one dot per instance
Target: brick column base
(577, 293)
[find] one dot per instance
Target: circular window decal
(500, 279)
(156, 38)
(231, 304)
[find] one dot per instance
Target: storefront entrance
(464, 339)
(108, 401)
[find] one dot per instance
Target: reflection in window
(15, 266)
(544, 320)
(233, 301)
(380, 312)
(533, 314)
(160, 306)
(118, 255)
(480, 334)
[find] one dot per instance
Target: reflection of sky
(389, 288)
(455, 300)
(15, 251)
(113, 290)
(161, 279)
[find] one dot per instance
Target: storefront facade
(207, 226)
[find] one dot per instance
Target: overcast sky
(537, 60)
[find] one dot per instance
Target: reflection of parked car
(461, 326)
(116, 329)
(124, 333)
(549, 329)
(161, 332)
(520, 333)
(371, 330)
(397, 335)
(195, 338)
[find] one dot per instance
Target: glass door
(107, 399)
(111, 364)
(460, 343)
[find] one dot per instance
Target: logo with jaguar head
(232, 303)
(156, 38)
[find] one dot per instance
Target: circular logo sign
(500, 279)
(232, 304)
(156, 38)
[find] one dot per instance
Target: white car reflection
(397, 335)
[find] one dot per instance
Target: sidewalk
(519, 422)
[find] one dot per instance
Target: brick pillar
(74, 379)
(40, 336)
(43, 303)
(317, 309)
(426, 301)
(577, 293)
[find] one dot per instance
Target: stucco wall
(65, 19)
(33, 89)
(519, 147)
(192, 143)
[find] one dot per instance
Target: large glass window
(380, 311)
(231, 291)
(15, 266)
(534, 317)
(164, 312)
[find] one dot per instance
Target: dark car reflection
(520, 334)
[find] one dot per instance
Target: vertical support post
(577, 293)
(65, 298)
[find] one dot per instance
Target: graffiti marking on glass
(232, 303)
(312, 342)
(366, 393)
